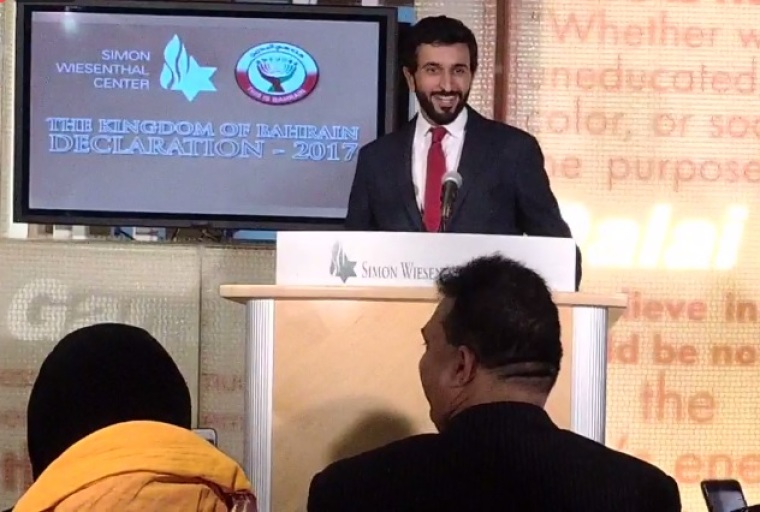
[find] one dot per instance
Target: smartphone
(723, 495)
(209, 434)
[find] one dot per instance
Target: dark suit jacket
(505, 189)
(496, 457)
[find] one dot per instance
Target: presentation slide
(199, 115)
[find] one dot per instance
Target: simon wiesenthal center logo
(343, 267)
(182, 73)
(277, 73)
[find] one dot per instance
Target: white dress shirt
(452, 149)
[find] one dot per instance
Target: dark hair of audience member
(505, 314)
(99, 376)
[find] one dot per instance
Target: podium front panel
(345, 380)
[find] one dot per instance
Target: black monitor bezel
(386, 17)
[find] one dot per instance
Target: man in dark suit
(397, 185)
(492, 355)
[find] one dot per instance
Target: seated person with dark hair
(108, 430)
(492, 355)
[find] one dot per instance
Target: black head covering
(99, 376)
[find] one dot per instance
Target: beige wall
(49, 288)
(651, 206)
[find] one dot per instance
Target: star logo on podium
(341, 266)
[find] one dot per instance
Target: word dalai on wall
(662, 238)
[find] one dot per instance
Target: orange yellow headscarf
(137, 466)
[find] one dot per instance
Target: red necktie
(436, 168)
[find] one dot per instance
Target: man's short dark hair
(504, 313)
(438, 31)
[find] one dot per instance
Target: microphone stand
(446, 205)
(449, 189)
(444, 225)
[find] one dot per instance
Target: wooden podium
(331, 371)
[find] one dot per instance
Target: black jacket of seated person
(504, 456)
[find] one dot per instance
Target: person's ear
(409, 76)
(464, 367)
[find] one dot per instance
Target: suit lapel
(472, 158)
(404, 177)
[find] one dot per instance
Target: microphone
(451, 182)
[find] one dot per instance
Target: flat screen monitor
(197, 114)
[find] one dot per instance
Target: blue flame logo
(181, 72)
